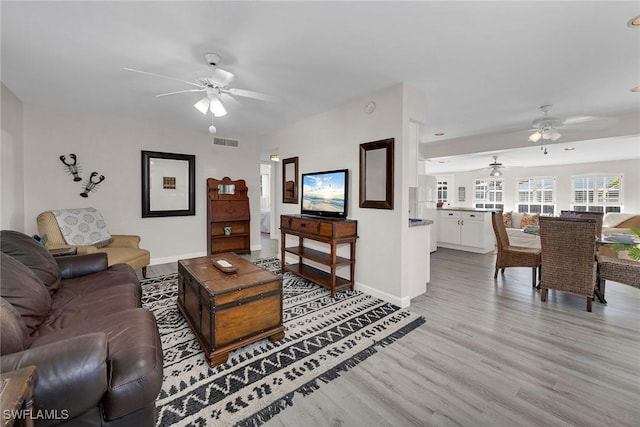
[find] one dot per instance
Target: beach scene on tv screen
(323, 192)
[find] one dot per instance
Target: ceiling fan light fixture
(535, 137)
(202, 105)
(495, 172)
(217, 108)
(553, 134)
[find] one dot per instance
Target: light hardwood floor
(491, 354)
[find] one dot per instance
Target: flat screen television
(325, 194)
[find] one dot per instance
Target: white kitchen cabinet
(466, 230)
(449, 227)
(419, 259)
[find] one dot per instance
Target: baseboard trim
(477, 250)
(393, 299)
(175, 258)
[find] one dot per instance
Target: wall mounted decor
(72, 167)
(461, 193)
(290, 180)
(376, 174)
(91, 184)
(168, 184)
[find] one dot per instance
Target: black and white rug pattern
(323, 337)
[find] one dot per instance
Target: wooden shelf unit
(331, 231)
(228, 210)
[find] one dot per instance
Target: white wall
(11, 163)
(563, 173)
(331, 141)
(111, 146)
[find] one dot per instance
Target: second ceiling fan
(494, 168)
(217, 91)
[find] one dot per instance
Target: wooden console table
(327, 230)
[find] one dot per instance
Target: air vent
(224, 141)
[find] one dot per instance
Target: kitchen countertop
(417, 222)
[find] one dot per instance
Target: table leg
(600, 295)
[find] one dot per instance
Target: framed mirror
(168, 184)
(376, 174)
(290, 180)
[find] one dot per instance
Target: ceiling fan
(546, 128)
(494, 167)
(217, 91)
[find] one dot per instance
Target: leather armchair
(122, 249)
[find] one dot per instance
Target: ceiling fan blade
(166, 77)
(222, 78)
(579, 119)
(230, 101)
(255, 95)
(180, 91)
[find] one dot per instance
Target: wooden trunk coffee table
(229, 310)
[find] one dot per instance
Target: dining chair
(610, 267)
(513, 256)
(568, 256)
(598, 216)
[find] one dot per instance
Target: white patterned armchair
(119, 248)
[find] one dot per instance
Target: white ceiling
(484, 68)
(560, 153)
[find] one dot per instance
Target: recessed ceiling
(484, 68)
(589, 151)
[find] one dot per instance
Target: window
(597, 193)
(536, 195)
(444, 184)
(488, 194)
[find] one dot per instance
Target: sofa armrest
(71, 376)
(81, 265)
(124, 241)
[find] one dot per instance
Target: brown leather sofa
(98, 353)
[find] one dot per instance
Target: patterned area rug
(323, 337)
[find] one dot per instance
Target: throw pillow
(536, 220)
(83, 226)
(24, 291)
(528, 219)
(506, 218)
(516, 217)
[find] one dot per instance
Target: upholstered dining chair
(610, 267)
(513, 256)
(568, 256)
(598, 216)
(120, 248)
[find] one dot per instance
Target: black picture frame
(290, 180)
(177, 198)
(376, 178)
